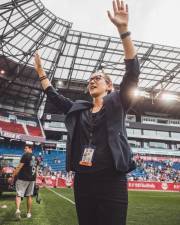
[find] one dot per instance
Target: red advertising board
(132, 185)
(53, 182)
(153, 186)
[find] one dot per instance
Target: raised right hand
(121, 16)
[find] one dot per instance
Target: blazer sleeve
(129, 82)
(62, 103)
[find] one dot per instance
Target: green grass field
(145, 208)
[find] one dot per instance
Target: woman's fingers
(127, 9)
(109, 15)
(37, 59)
(122, 5)
(118, 4)
(115, 8)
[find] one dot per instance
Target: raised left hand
(37, 62)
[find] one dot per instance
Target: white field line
(62, 196)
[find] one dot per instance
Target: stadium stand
(34, 131)
(20, 126)
(12, 127)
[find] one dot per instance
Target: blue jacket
(116, 105)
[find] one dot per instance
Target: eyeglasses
(95, 78)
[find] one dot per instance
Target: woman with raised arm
(97, 146)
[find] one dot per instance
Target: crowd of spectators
(147, 170)
(155, 171)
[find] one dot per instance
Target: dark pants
(101, 198)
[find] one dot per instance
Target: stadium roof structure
(68, 55)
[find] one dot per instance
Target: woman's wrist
(42, 77)
(125, 34)
(122, 29)
(41, 72)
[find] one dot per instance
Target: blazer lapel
(80, 105)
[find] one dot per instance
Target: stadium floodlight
(140, 93)
(59, 83)
(136, 92)
(2, 72)
(169, 97)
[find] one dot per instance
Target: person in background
(25, 175)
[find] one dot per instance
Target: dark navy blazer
(116, 105)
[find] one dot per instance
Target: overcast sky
(155, 21)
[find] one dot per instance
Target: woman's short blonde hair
(108, 80)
